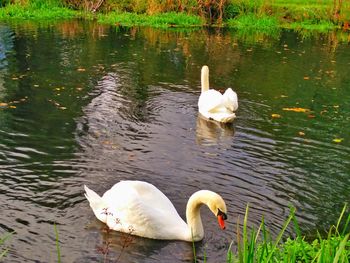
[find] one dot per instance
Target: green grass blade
(292, 212)
(239, 244)
(57, 244)
(193, 248)
(3, 253)
(245, 235)
(229, 255)
(341, 248)
(346, 225)
(340, 217)
(2, 241)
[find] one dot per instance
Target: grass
(163, 20)
(267, 16)
(3, 248)
(254, 23)
(57, 244)
(258, 246)
(36, 11)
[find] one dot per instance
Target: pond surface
(82, 103)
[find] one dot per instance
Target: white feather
(214, 105)
(139, 208)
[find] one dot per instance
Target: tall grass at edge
(253, 248)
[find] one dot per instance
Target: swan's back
(141, 209)
(145, 192)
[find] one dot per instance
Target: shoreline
(257, 20)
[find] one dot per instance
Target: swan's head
(217, 205)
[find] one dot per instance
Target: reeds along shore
(253, 14)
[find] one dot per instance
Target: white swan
(139, 208)
(214, 105)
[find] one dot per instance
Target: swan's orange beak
(221, 221)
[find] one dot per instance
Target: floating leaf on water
(81, 69)
(12, 107)
(338, 140)
(301, 133)
(62, 108)
(306, 77)
(3, 104)
(296, 109)
(275, 115)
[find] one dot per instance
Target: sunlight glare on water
(104, 105)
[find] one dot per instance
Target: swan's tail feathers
(230, 100)
(94, 199)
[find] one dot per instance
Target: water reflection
(210, 132)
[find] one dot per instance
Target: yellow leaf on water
(296, 109)
(338, 140)
(3, 104)
(301, 133)
(81, 69)
(12, 107)
(275, 115)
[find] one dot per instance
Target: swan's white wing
(230, 100)
(145, 191)
(140, 208)
(209, 100)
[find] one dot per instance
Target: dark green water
(89, 104)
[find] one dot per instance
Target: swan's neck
(193, 217)
(205, 78)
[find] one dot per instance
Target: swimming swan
(214, 105)
(139, 208)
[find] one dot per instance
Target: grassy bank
(257, 15)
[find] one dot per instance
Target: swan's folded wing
(230, 100)
(209, 100)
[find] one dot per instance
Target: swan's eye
(222, 214)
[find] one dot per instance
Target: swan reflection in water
(209, 132)
(115, 246)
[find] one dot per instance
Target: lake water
(82, 103)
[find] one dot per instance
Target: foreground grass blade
(57, 244)
(2, 241)
(291, 215)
